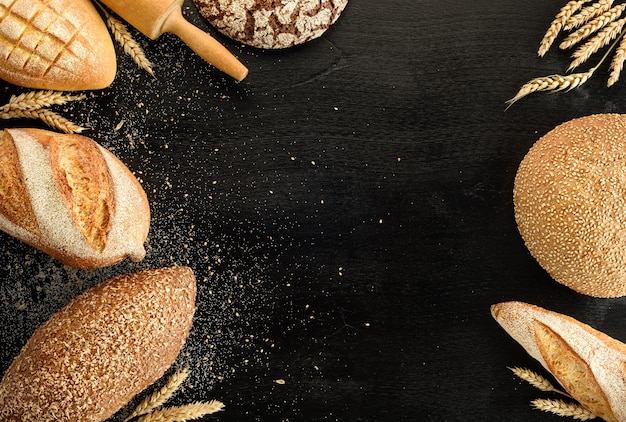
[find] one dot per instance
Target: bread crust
(589, 364)
(13, 189)
(89, 209)
(271, 24)
(60, 45)
(570, 204)
(94, 355)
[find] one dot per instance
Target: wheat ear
(161, 396)
(603, 37)
(553, 83)
(126, 40)
(592, 26)
(39, 99)
(537, 380)
(561, 408)
(183, 413)
(588, 13)
(617, 64)
(557, 24)
(50, 118)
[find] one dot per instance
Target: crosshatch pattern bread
(60, 45)
(271, 24)
(71, 198)
(109, 344)
(570, 204)
(590, 365)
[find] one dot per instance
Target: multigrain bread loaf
(71, 198)
(60, 45)
(590, 365)
(106, 346)
(570, 204)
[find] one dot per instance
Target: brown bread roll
(98, 352)
(61, 45)
(590, 365)
(71, 198)
(570, 204)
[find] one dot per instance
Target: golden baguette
(589, 365)
(71, 198)
(61, 45)
(98, 352)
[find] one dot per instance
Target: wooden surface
(347, 210)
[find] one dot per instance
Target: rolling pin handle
(205, 45)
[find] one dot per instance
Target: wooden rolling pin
(154, 17)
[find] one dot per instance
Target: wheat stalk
(39, 99)
(588, 13)
(537, 380)
(603, 37)
(183, 413)
(592, 26)
(126, 40)
(31, 105)
(555, 83)
(50, 118)
(557, 24)
(160, 397)
(561, 408)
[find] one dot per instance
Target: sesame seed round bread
(271, 24)
(570, 204)
(94, 355)
(71, 198)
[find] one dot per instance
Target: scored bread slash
(13, 189)
(71, 198)
(84, 181)
(106, 346)
(589, 365)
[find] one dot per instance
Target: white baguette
(71, 198)
(60, 45)
(590, 365)
(98, 352)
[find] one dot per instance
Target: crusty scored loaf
(71, 198)
(590, 365)
(61, 45)
(106, 346)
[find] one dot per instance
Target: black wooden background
(347, 210)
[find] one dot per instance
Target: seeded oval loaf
(94, 355)
(271, 24)
(61, 45)
(570, 204)
(71, 198)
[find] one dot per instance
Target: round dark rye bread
(271, 24)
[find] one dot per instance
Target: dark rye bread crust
(106, 346)
(271, 24)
